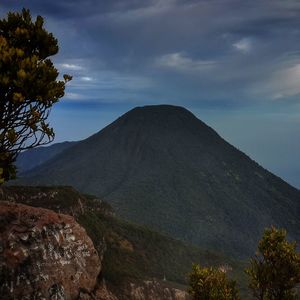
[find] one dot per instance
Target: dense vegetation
(211, 284)
(138, 252)
(130, 250)
(275, 270)
(134, 252)
(274, 273)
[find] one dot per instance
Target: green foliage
(208, 283)
(28, 87)
(275, 270)
(137, 252)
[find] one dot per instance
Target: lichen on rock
(44, 255)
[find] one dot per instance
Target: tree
(28, 87)
(275, 270)
(208, 283)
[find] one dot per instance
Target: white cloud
(73, 96)
(286, 82)
(282, 83)
(244, 45)
(106, 84)
(72, 67)
(107, 79)
(182, 63)
(86, 78)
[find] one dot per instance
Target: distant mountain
(32, 158)
(163, 167)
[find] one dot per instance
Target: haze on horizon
(234, 63)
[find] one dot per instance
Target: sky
(234, 63)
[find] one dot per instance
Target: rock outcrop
(44, 255)
(47, 255)
(61, 199)
(153, 290)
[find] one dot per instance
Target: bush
(275, 270)
(208, 283)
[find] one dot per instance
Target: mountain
(32, 158)
(163, 167)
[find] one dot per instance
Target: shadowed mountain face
(161, 166)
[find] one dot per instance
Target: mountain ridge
(32, 158)
(163, 167)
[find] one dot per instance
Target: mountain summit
(163, 167)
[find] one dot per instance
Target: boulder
(44, 255)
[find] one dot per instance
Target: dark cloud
(215, 50)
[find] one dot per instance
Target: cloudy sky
(234, 63)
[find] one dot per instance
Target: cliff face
(47, 255)
(44, 255)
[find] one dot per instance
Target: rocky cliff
(44, 255)
(48, 255)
